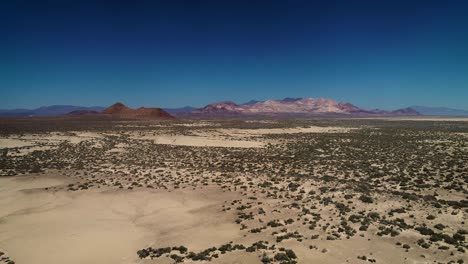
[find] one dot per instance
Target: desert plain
(102, 190)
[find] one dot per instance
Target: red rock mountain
(121, 110)
(116, 109)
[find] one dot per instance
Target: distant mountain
(222, 108)
(53, 110)
(122, 111)
(287, 107)
(439, 111)
(295, 107)
(285, 100)
(117, 110)
(83, 112)
(15, 112)
(290, 100)
(251, 102)
(186, 109)
(406, 111)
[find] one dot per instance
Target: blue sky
(374, 54)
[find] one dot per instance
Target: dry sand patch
(13, 143)
(202, 141)
(48, 139)
(73, 137)
(104, 226)
(266, 131)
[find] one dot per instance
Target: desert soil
(265, 191)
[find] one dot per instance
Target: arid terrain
(105, 190)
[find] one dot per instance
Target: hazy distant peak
(439, 111)
(290, 99)
(252, 102)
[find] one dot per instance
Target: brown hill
(116, 109)
(121, 110)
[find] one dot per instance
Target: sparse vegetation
(377, 180)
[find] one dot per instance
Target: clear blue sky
(374, 54)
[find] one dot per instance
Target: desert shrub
(366, 199)
(290, 254)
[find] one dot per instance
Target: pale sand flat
(104, 226)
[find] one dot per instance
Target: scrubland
(90, 190)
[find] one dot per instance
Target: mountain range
(53, 110)
(284, 107)
(294, 107)
(439, 111)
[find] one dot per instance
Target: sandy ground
(266, 131)
(174, 205)
(202, 141)
(13, 143)
(103, 226)
(51, 138)
(229, 138)
(233, 138)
